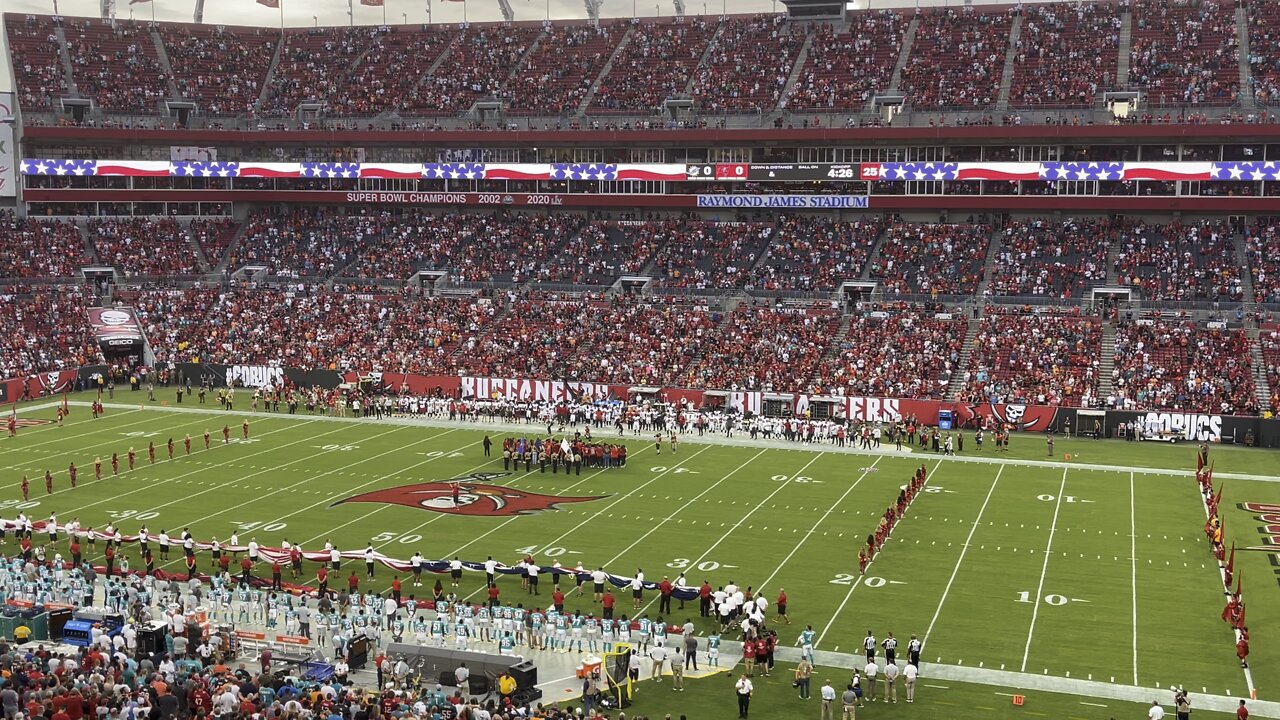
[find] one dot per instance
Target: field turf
(1067, 569)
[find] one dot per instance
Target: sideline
(738, 440)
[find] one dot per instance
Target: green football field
(1084, 569)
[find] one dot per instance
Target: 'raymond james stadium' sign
(782, 201)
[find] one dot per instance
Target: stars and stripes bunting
(1052, 171)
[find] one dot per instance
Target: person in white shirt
(253, 550)
(743, 688)
(1156, 712)
(335, 558)
(490, 567)
(890, 682)
(910, 674)
(658, 655)
(828, 695)
(369, 557)
(637, 589)
(871, 670)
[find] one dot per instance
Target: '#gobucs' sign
(474, 497)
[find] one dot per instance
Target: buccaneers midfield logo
(475, 498)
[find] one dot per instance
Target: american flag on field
(453, 171)
(330, 170)
(202, 168)
(59, 167)
(1082, 170)
(584, 171)
(1251, 170)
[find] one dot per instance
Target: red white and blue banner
(1237, 171)
(322, 170)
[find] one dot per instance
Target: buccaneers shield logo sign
(474, 497)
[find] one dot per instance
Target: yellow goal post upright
(614, 665)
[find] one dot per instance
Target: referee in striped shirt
(890, 646)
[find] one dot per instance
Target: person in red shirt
(395, 588)
(71, 473)
(664, 596)
(151, 452)
(170, 448)
(1242, 712)
(97, 468)
(48, 482)
(276, 582)
(607, 602)
(493, 595)
(110, 555)
(186, 443)
(200, 701)
(782, 605)
(1242, 651)
(115, 463)
(322, 580)
(26, 488)
(749, 657)
(704, 599)
(762, 656)
(557, 601)
(245, 566)
(226, 434)
(75, 551)
(206, 439)
(353, 582)
(132, 456)
(244, 429)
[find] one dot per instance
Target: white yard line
(508, 521)
(1133, 557)
(679, 507)
(1222, 578)
(858, 583)
(964, 549)
(823, 518)
(1044, 569)
(346, 492)
(741, 519)
(177, 458)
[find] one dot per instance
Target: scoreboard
(783, 172)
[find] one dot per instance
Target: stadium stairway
(962, 365)
(65, 54)
(702, 61)
(908, 40)
(1242, 261)
(205, 265)
(431, 71)
(163, 57)
(266, 79)
(872, 256)
(1259, 367)
(802, 59)
(989, 267)
(604, 71)
(1006, 78)
(524, 58)
(829, 358)
(1242, 32)
(1125, 45)
(1107, 360)
(89, 251)
(221, 267)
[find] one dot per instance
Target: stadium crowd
(1179, 365)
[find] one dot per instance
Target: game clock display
(786, 172)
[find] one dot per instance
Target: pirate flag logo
(474, 497)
